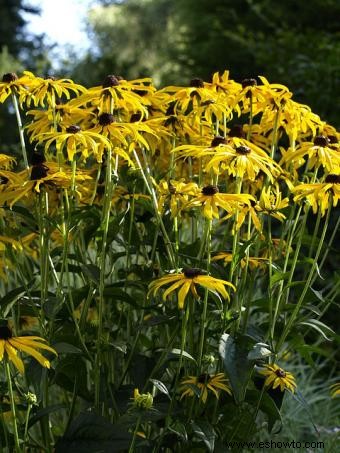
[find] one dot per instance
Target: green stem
(21, 130)
(205, 301)
(307, 284)
(11, 397)
(150, 189)
(132, 445)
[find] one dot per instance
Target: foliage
(177, 40)
(161, 288)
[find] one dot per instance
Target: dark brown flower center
(5, 333)
(248, 83)
(3, 180)
(237, 131)
(9, 77)
(332, 139)
(73, 129)
(171, 109)
(110, 81)
(197, 83)
(218, 140)
(37, 159)
(105, 119)
(321, 140)
(280, 373)
(172, 189)
(192, 272)
(203, 378)
(243, 150)
(210, 190)
(135, 117)
(332, 179)
(38, 172)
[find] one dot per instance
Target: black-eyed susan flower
(116, 93)
(175, 194)
(50, 90)
(244, 159)
(211, 200)
(277, 377)
(76, 141)
(320, 152)
(9, 347)
(335, 390)
(215, 383)
(186, 281)
(319, 195)
(6, 162)
(142, 400)
(44, 174)
(253, 262)
(12, 84)
(62, 116)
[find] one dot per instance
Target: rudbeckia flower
(205, 383)
(277, 377)
(243, 160)
(12, 84)
(6, 162)
(50, 90)
(9, 347)
(176, 194)
(320, 152)
(75, 140)
(335, 390)
(319, 194)
(187, 281)
(116, 93)
(211, 200)
(253, 262)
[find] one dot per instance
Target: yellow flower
(63, 115)
(47, 174)
(9, 347)
(205, 382)
(271, 203)
(76, 140)
(277, 377)
(320, 152)
(6, 162)
(335, 390)
(176, 193)
(320, 194)
(12, 84)
(118, 94)
(252, 261)
(122, 133)
(244, 159)
(142, 400)
(186, 281)
(211, 200)
(50, 90)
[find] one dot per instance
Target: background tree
(19, 51)
(294, 43)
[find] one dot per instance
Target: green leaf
(267, 406)
(234, 353)
(91, 271)
(161, 387)
(90, 433)
(45, 411)
(66, 348)
(204, 431)
(259, 351)
(176, 353)
(319, 327)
